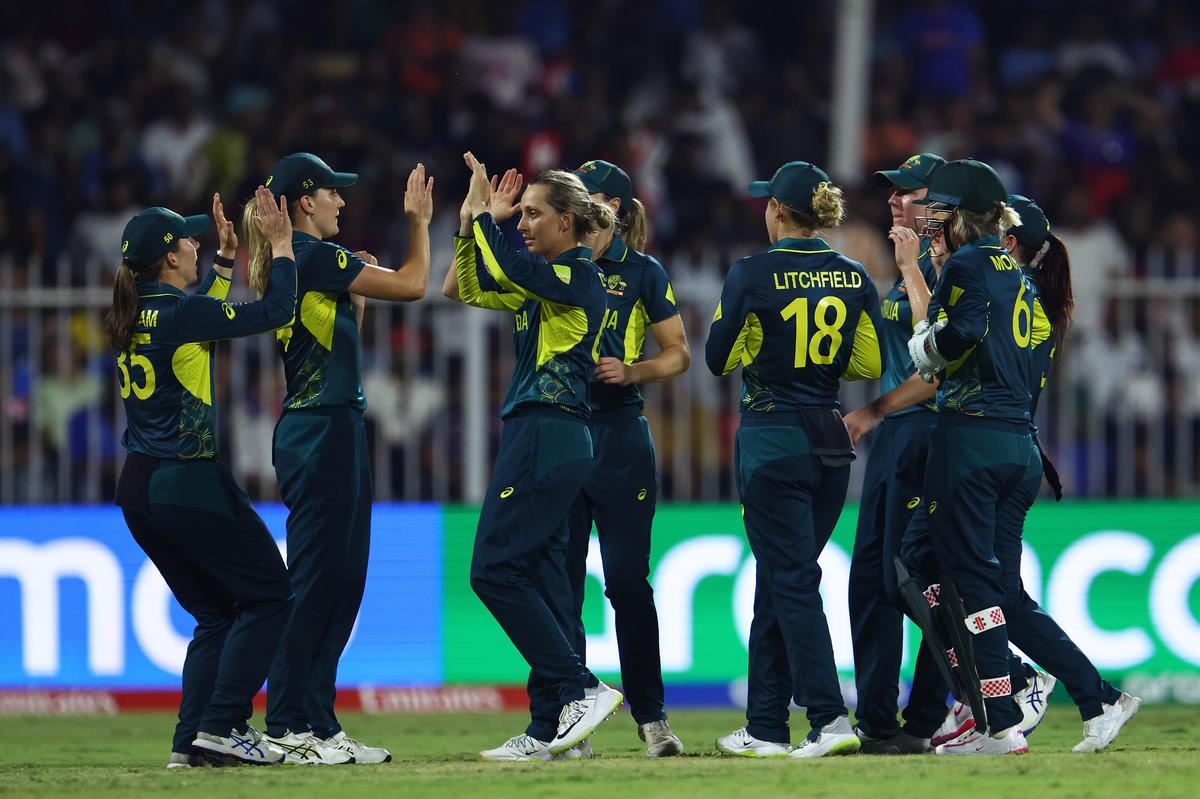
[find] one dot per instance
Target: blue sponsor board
(81, 606)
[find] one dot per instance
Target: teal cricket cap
(154, 232)
(606, 177)
(1034, 228)
(968, 184)
(913, 174)
(303, 173)
(792, 184)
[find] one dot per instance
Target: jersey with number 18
(798, 318)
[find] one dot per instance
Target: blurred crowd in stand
(1092, 109)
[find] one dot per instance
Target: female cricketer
(798, 318)
(518, 568)
(902, 419)
(977, 343)
(182, 506)
(320, 447)
(1046, 266)
(621, 490)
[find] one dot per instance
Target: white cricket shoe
(250, 747)
(306, 749)
(180, 760)
(660, 740)
(519, 747)
(959, 721)
(1006, 742)
(742, 743)
(580, 718)
(580, 751)
(835, 738)
(1102, 730)
(1033, 698)
(359, 752)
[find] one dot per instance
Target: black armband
(226, 263)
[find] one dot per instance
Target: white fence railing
(1121, 416)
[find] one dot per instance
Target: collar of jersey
(617, 251)
(801, 245)
(299, 236)
(574, 254)
(156, 289)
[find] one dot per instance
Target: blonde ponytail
(968, 226)
(827, 209)
(259, 267)
(634, 228)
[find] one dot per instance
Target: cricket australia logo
(615, 284)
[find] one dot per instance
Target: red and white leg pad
(952, 656)
(931, 594)
(985, 619)
(993, 687)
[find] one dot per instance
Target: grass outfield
(123, 756)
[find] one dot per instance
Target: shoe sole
(749, 753)
(580, 733)
(666, 750)
(848, 747)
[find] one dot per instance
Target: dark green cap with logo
(792, 184)
(967, 184)
(913, 174)
(154, 232)
(1034, 228)
(607, 178)
(303, 173)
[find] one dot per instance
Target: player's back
(798, 318)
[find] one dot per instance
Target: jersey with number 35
(166, 377)
(797, 318)
(988, 309)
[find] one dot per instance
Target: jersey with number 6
(988, 310)
(798, 318)
(166, 377)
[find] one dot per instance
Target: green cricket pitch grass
(124, 756)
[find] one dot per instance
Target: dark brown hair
(1052, 273)
(122, 315)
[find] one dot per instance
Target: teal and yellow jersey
(166, 377)
(558, 307)
(1043, 344)
(321, 351)
(639, 294)
(798, 318)
(988, 308)
(896, 330)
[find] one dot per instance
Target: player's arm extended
(524, 274)
(912, 391)
(205, 318)
(464, 283)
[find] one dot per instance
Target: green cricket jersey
(639, 294)
(558, 307)
(988, 308)
(321, 350)
(166, 377)
(895, 332)
(798, 318)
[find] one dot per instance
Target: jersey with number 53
(798, 318)
(988, 310)
(166, 377)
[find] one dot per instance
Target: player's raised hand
(272, 219)
(613, 371)
(503, 205)
(418, 196)
(226, 231)
(907, 245)
(479, 193)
